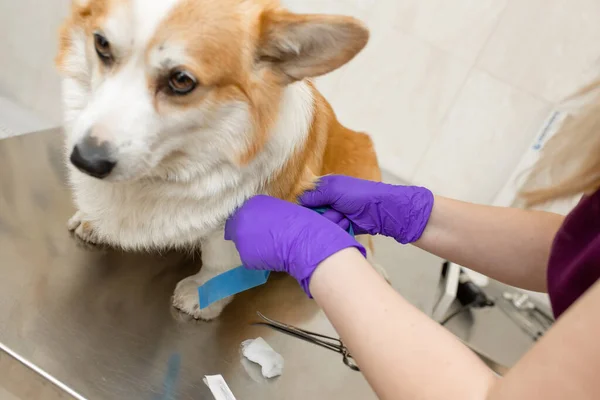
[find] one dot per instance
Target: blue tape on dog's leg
(229, 283)
(236, 280)
(321, 210)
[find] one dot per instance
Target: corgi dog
(177, 111)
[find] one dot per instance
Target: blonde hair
(571, 159)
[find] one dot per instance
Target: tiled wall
(453, 92)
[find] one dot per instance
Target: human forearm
(403, 354)
(507, 244)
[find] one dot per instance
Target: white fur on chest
(198, 196)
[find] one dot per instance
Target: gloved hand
(401, 212)
(275, 235)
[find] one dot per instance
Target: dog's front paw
(186, 299)
(83, 230)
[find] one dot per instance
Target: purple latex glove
(374, 208)
(275, 235)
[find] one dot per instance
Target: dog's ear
(303, 46)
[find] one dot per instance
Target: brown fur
(331, 149)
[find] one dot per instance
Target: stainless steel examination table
(101, 322)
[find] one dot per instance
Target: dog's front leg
(218, 256)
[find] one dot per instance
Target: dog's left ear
(303, 46)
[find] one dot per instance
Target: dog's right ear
(303, 46)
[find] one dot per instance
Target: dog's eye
(102, 48)
(181, 82)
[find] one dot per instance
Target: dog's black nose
(93, 159)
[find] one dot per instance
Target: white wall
(28, 43)
(453, 91)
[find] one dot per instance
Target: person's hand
(374, 208)
(275, 235)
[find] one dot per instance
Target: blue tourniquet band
(236, 280)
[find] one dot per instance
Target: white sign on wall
(508, 195)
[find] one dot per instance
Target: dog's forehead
(144, 22)
(149, 15)
(135, 22)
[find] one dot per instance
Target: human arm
(507, 244)
(402, 353)
(510, 245)
(397, 347)
(405, 355)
